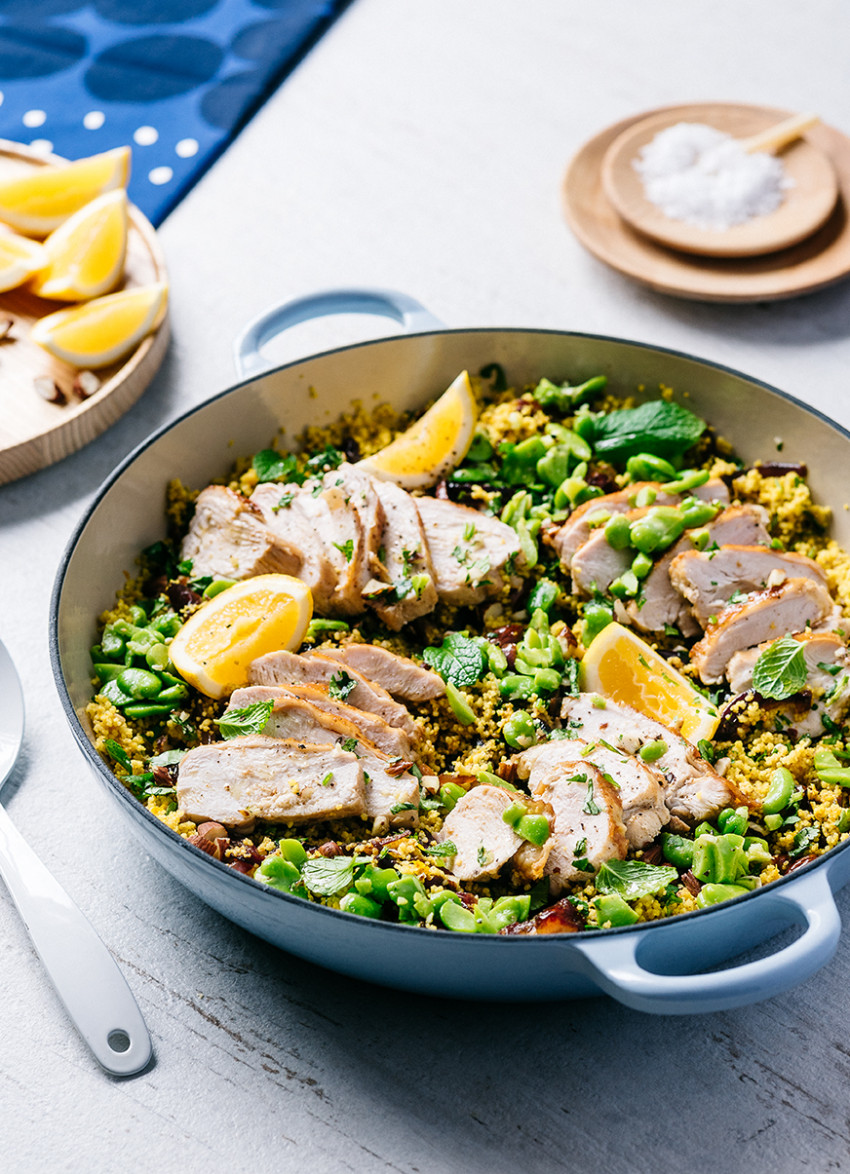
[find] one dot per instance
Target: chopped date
(691, 883)
(181, 595)
(241, 866)
(652, 854)
(795, 864)
(330, 848)
(351, 449)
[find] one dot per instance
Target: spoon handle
(84, 973)
(776, 137)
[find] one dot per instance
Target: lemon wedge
(40, 201)
(103, 330)
(214, 648)
(85, 255)
(622, 667)
(432, 446)
(19, 260)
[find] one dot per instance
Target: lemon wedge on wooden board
(433, 445)
(85, 255)
(20, 258)
(38, 202)
(103, 330)
(214, 648)
(623, 668)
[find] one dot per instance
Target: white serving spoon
(84, 973)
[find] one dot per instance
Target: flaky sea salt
(703, 177)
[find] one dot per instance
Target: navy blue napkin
(174, 79)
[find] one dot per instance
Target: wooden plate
(816, 262)
(33, 432)
(806, 206)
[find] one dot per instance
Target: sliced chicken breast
(793, 606)
(580, 524)
(228, 539)
(640, 786)
(277, 779)
(400, 676)
(402, 555)
(596, 564)
(827, 678)
(660, 602)
(589, 826)
(292, 527)
(390, 740)
(693, 789)
(484, 841)
(343, 684)
(709, 579)
(473, 554)
(392, 792)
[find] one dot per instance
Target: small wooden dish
(819, 260)
(806, 205)
(33, 432)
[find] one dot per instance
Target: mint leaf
(780, 671)
(631, 879)
(660, 427)
(271, 466)
(118, 754)
(341, 684)
(325, 876)
(249, 720)
(458, 660)
(446, 848)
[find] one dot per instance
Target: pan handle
(388, 303)
(611, 962)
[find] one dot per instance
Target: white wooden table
(420, 146)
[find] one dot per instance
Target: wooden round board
(807, 204)
(814, 263)
(33, 432)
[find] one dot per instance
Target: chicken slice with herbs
(390, 740)
(400, 676)
(473, 554)
(484, 840)
(343, 684)
(693, 790)
(793, 606)
(292, 527)
(392, 792)
(279, 780)
(710, 580)
(403, 586)
(588, 828)
(228, 539)
(827, 679)
(640, 786)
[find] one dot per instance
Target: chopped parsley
(341, 685)
(346, 548)
(591, 807)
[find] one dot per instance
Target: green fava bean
(678, 850)
(140, 709)
(554, 466)
(450, 794)
(510, 910)
(480, 450)
(596, 617)
(687, 479)
(713, 894)
(657, 529)
(546, 681)
(645, 466)
(374, 882)
(157, 656)
(642, 564)
(217, 586)
(613, 910)
(112, 644)
(782, 784)
(278, 873)
(139, 683)
(362, 906)
(618, 532)
(519, 731)
(514, 687)
(497, 662)
(108, 672)
(456, 916)
(464, 714)
(697, 513)
(534, 828)
(542, 595)
(734, 820)
(404, 892)
(293, 851)
(652, 751)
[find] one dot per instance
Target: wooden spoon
(805, 208)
